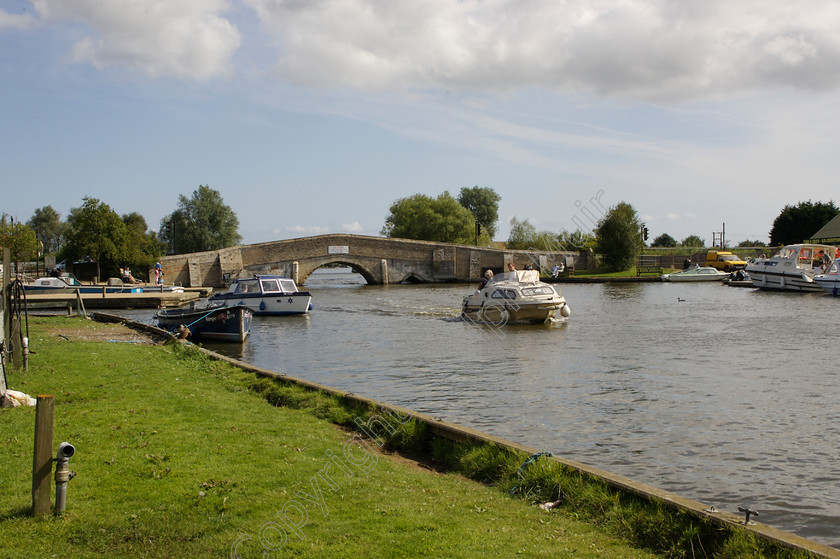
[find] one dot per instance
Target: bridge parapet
(380, 260)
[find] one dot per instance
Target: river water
(725, 395)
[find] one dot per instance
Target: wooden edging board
(460, 433)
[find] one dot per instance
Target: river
(724, 395)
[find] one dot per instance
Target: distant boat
(696, 273)
(68, 282)
(265, 295)
(225, 324)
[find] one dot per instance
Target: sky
(314, 116)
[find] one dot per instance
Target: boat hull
(830, 285)
(784, 281)
(512, 314)
(226, 324)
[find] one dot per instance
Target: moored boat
(696, 273)
(68, 282)
(792, 268)
(265, 295)
(226, 324)
(515, 297)
(830, 280)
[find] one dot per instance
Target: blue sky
(314, 116)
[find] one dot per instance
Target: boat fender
(310, 306)
(262, 305)
(565, 311)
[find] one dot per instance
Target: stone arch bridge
(379, 260)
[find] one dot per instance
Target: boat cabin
(268, 285)
(807, 256)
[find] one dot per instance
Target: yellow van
(725, 261)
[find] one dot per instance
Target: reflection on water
(725, 395)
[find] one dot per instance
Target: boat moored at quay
(830, 280)
(224, 324)
(792, 268)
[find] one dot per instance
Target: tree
(693, 241)
(748, 243)
(577, 240)
(202, 222)
(664, 240)
(48, 227)
(484, 205)
(523, 235)
(424, 218)
(798, 223)
(617, 237)
(96, 231)
(19, 239)
(144, 247)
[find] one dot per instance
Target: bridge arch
(306, 268)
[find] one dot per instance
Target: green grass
(604, 273)
(179, 455)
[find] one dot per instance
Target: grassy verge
(182, 456)
(179, 455)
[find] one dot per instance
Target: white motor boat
(515, 297)
(792, 268)
(265, 295)
(67, 283)
(696, 273)
(830, 280)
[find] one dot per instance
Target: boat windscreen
(247, 286)
(269, 285)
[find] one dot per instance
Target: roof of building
(830, 232)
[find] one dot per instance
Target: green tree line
(95, 232)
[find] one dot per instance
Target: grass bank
(179, 455)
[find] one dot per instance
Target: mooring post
(42, 457)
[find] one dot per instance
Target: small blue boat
(225, 324)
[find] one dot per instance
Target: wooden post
(42, 457)
(7, 279)
(80, 305)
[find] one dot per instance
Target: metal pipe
(63, 475)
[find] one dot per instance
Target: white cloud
(177, 38)
(15, 21)
(648, 49)
(354, 227)
(303, 230)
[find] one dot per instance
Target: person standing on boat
(158, 274)
(823, 260)
(488, 277)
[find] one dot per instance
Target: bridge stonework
(379, 260)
